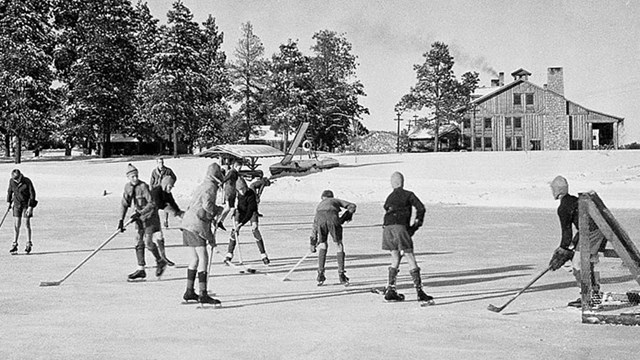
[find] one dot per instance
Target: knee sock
(191, 278)
(261, 246)
(415, 275)
(163, 254)
(232, 242)
(340, 257)
(393, 273)
(322, 258)
(202, 280)
(140, 254)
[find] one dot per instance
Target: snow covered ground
(490, 227)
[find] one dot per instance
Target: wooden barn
(524, 116)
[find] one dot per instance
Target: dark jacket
(163, 199)
(247, 205)
(398, 208)
(22, 192)
(569, 215)
(140, 196)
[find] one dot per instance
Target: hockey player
(196, 233)
(569, 217)
(229, 189)
(163, 199)
(22, 196)
(246, 211)
(136, 193)
(397, 233)
(157, 174)
(258, 186)
(328, 222)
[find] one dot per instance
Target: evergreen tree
(336, 95)
(26, 98)
(437, 88)
(98, 62)
(290, 89)
(248, 72)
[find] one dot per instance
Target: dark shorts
(230, 196)
(149, 226)
(192, 239)
(396, 237)
(328, 224)
(20, 210)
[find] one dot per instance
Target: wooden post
(583, 246)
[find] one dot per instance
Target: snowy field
(490, 227)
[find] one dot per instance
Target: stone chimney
(501, 79)
(555, 80)
(495, 82)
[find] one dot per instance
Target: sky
(595, 42)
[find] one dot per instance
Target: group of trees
(74, 72)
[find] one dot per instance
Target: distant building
(524, 116)
(263, 134)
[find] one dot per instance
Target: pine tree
(26, 46)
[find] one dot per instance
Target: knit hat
(327, 194)
(241, 184)
(214, 172)
(166, 180)
(131, 170)
(397, 180)
(15, 174)
(559, 187)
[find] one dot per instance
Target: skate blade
(136, 280)
(213, 306)
(427, 303)
(189, 302)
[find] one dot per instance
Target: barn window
(507, 121)
(466, 122)
(529, 99)
(487, 123)
(507, 143)
(517, 123)
(477, 142)
(517, 99)
(536, 145)
(518, 142)
(487, 143)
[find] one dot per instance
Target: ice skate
(161, 265)
(391, 295)
(14, 249)
(27, 249)
(344, 280)
(227, 259)
(221, 226)
(321, 278)
(575, 303)
(424, 298)
(204, 298)
(137, 275)
(190, 295)
(169, 262)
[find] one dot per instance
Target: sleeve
(154, 178)
(172, 174)
(566, 227)
(9, 193)
(125, 203)
(313, 238)
(351, 207)
(32, 195)
(209, 204)
(420, 210)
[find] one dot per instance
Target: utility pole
(398, 143)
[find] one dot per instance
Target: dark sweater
(247, 205)
(21, 192)
(162, 199)
(398, 208)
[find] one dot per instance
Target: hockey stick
(5, 216)
(238, 245)
(498, 309)
(296, 265)
(56, 283)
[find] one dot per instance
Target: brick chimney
(500, 79)
(555, 80)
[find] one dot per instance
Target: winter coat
(247, 206)
(140, 196)
(569, 216)
(22, 192)
(398, 207)
(202, 210)
(163, 199)
(157, 175)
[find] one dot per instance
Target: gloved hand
(121, 225)
(135, 216)
(559, 257)
(312, 248)
(413, 228)
(29, 212)
(346, 217)
(8, 206)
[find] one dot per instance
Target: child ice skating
(163, 199)
(196, 233)
(397, 233)
(229, 189)
(246, 211)
(21, 195)
(136, 193)
(328, 222)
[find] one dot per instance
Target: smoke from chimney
(477, 62)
